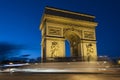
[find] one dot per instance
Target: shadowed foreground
(31, 76)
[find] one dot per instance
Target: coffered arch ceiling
(72, 37)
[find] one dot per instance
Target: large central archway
(74, 41)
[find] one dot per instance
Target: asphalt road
(39, 76)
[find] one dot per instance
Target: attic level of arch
(69, 14)
(66, 21)
(68, 18)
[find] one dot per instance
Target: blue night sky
(20, 20)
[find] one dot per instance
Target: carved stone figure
(90, 51)
(54, 48)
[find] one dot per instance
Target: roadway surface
(38, 76)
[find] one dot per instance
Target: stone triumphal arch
(78, 29)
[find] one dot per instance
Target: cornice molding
(66, 11)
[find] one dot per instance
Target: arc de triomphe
(78, 29)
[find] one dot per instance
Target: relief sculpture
(54, 31)
(54, 49)
(90, 50)
(88, 34)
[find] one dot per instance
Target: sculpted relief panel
(53, 31)
(89, 35)
(55, 48)
(90, 51)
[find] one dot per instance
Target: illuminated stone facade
(60, 25)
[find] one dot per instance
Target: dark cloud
(9, 49)
(26, 55)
